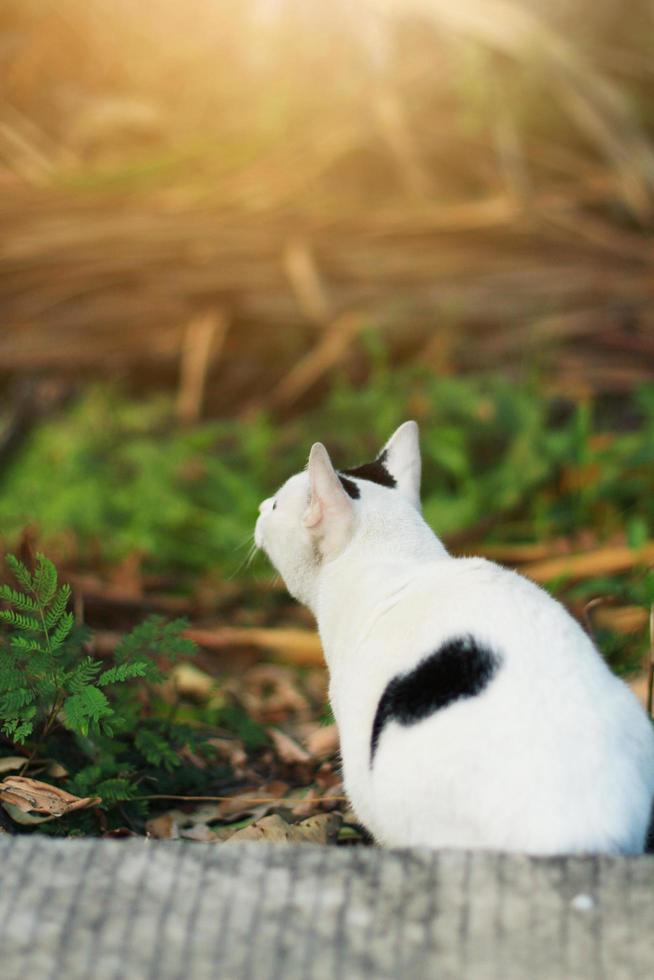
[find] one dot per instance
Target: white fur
(554, 756)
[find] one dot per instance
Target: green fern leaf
(12, 703)
(18, 599)
(90, 705)
(24, 645)
(45, 580)
(114, 790)
(18, 730)
(82, 675)
(62, 631)
(123, 672)
(20, 572)
(58, 607)
(156, 637)
(156, 749)
(11, 676)
(20, 621)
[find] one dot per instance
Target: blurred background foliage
(231, 229)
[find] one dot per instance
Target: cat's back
(542, 661)
(496, 606)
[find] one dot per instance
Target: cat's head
(317, 514)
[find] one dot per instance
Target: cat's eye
(274, 504)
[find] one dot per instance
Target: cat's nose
(264, 505)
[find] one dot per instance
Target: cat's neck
(367, 579)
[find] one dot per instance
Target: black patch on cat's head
(461, 668)
(350, 487)
(376, 472)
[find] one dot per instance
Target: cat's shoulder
(482, 580)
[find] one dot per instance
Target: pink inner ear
(313, 514)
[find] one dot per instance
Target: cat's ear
(330, 514)
(401, 457)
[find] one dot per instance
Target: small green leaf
(45, 580)
(20, 572)
(123, 672)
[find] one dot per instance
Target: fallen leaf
(163, 827)
(30, 801)
(232, 751)
(327, 778)
(11, 763)
(333, 797)
(200, 833)
(269, 693)
(621, 619)
(191, 682)
(322, 741)
(316, 830)
(287, 748)
(56, 770)
(307, 805)
(301, 647)
(246, 802)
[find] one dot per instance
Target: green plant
(106, 722)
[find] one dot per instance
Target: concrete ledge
(139, 910)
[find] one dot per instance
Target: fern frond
(18, 730)
(123, 672)
(82, 675)
(18, 599)
(156, 749)
(60, 634)
(24, 645)
(12, 703)
(58, 607)
(90, 705)
(20, 621)
(11, 676)
(20, 572)
(114, 790)
(44, 580)
(156, 637)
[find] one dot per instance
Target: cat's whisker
(247, 561)
(248, 541)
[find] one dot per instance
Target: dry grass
(471, 180)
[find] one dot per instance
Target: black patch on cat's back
(376, 472)
(350, 487)
(461, 668)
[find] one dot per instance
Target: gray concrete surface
(139, 910)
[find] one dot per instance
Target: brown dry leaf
(269, 694)
(55, 769)
(30, 801)
(250, 800)
(603, 561)
(11, 763)
(287, 748)
(333, 797)
(307, 805)
(296, 646)
(621, 619)
(232, 751)
(163, 827)
(201, 833)
(327, 777)
(191, 682)
(322, 741)
(316, 830)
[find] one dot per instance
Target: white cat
(473, 710)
